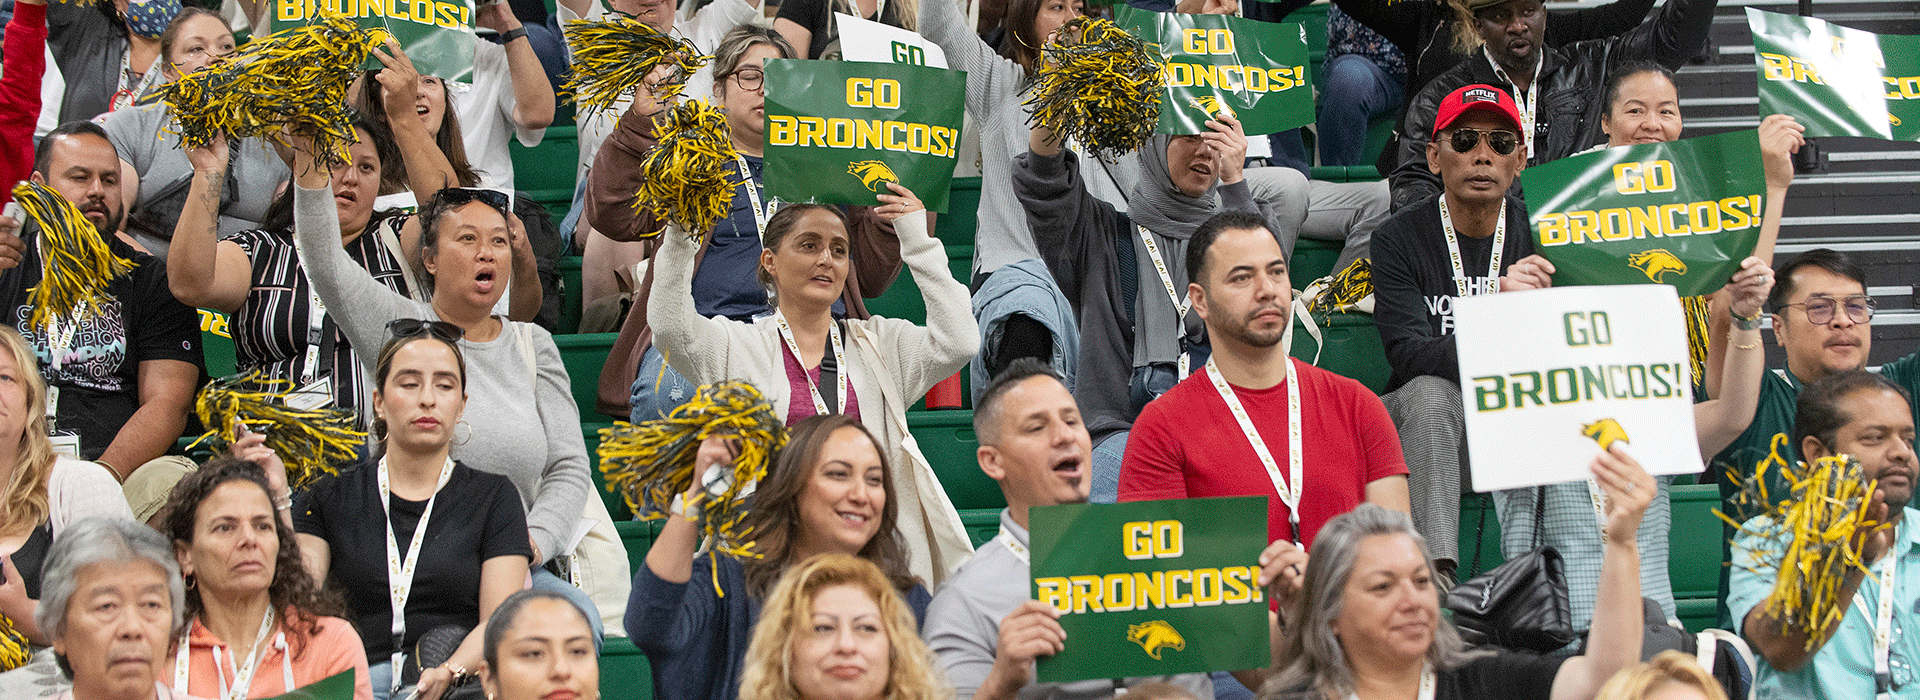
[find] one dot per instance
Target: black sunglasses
(410, 327)
(1501, 141)
(456, 196)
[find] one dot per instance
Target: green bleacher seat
(947, 438)
(956, 226)
(584, 354)
(981, 523)
(1693, 561)
(572, 291)
(1352, 348)
(546, 172)
(624, 673)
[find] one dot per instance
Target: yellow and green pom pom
(649, 463)
(1099, 86)
(309, 441)
(14, 651)
(1347, 288)
(611, 57)
(294, 78)
(689, 176)
(1812, 540)
(79, 265)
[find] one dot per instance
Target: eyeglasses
(456, 196)
(1820, 309)
(412, 327)
(1501, 141)
(749, 78)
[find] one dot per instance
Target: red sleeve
(1378, 437)
(1154, 467)
(25, 61)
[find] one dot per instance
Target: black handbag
(1521, 604)
(433, 648)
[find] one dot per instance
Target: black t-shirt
(99, 375)
(817, 17)
(476, 517)
(1414, 290)
(1503, 676)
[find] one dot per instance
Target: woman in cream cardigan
(808, 363)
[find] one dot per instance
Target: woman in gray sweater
(521, 419)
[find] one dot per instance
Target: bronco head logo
(1211, 105)
(1657, 263)
(872, 173)
(1605, 431)
(1156, 635)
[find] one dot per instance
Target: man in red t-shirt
(1226, 431)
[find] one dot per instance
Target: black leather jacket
(1572, 87)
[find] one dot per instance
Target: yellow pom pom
(651, 462)
(1100, 86)
(310, 442)
(689, 176)
(79, 264)
(14, 651)
(611, 57)
(296, 78)
(1811, 541)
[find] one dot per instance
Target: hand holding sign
(1531, 272)
(1749, 288)
(1032, 631)
(1629, 491)
(1229, 143)
(1283, 570)
(1780, 138)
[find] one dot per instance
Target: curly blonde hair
(1669, 666)
(769, 672)
(25, 498)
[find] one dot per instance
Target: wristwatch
(1745, 323)
(514, 33)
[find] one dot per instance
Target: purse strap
(1539, 513)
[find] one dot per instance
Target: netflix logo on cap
(1480, 94)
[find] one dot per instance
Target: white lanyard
(1426, 685)
(1180, 303)
(1493, 259)
(753, 195)
(128, 95)
(242, 672)
(1528, 103)
(1289, 488)
(400, 573)
(1013, 545)
(1882, 625)
(839, 363)
(316, 317)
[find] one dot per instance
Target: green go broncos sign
(1682, 213)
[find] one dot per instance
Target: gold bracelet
(1748, 346)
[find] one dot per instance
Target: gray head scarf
(1171, 215)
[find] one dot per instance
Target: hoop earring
(457, 440)
(191, 581)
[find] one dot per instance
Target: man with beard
(1561, 92)
(984, 625)
(122, 379)
(1253, 421)
(1869, 418)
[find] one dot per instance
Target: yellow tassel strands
(688, 177)
(1099, 86)
(650, 463)
(612, 57)
(294, 78)
(79, 265)
(1347, 288)
(310, 441)
(13, 646)
(1697, 311)
(1811, 541)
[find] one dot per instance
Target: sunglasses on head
(456, 196)
(411, 327)
(1500, 140)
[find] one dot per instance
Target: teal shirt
(1843, 668)
(1779, 393)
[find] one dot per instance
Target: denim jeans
(657, 389)
(1353, 90)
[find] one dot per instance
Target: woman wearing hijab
(1125, 274)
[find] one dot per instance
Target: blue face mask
(149, 19)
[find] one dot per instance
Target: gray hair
(733, 46)
(1319, 662)
(100, 540)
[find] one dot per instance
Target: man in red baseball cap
(1472, 238)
